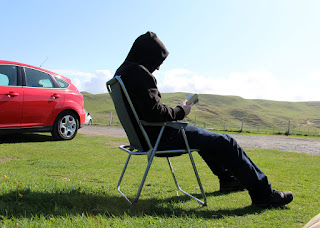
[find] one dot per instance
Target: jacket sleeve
(146, 99)
(159, 111)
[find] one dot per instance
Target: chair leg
(122, 174)
(150, 159)
(142, 181)
(204, 203)
(198, 178)
(194, 165)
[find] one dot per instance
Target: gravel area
(285, 143)
(92, 130)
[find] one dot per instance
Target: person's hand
(186, 107)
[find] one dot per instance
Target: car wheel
(65, 126)
(90, 122)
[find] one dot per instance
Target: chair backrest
(127, 114)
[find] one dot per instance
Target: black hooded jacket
(146, 55)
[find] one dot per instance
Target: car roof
(27, 65)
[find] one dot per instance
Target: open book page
(192, 98)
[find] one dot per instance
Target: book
(192, 98)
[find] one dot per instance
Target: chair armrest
(173, 124)
(176, 124)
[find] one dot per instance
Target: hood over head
(148, 50)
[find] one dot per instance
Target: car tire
(65, 126)
(90, 122)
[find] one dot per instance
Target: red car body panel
(10, 106)
(30, 107)
(40, 107)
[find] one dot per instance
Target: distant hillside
(217, 111)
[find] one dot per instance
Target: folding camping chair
(134, 128)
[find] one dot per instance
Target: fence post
(241, 126)
(110, 121)
(289, 128)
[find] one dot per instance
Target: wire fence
(286, 127)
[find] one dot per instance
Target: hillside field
(225, 112)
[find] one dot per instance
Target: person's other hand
(186, 107)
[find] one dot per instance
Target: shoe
(231, 186)
(275, 199)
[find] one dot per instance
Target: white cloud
(94, 83)
(249, 85)
(253, 84)
(315, 76)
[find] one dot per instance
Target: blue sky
(256, 49)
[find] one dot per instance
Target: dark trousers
(224, 157)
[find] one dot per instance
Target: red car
(37, 100)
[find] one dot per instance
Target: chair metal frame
(153, 150)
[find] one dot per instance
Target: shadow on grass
(25, 138)
(36, 204)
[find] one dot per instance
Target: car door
(42, 99)
(11, 97)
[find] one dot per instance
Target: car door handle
(55, 96)
(12, 94)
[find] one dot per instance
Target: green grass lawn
(46, 183)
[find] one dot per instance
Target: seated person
(221, 152)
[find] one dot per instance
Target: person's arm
(157, 111)
(186, 107)
(146, 98)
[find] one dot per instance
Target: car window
(35, 78)
(62, 83)
(8, 75)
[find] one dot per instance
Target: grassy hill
(219, 112)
